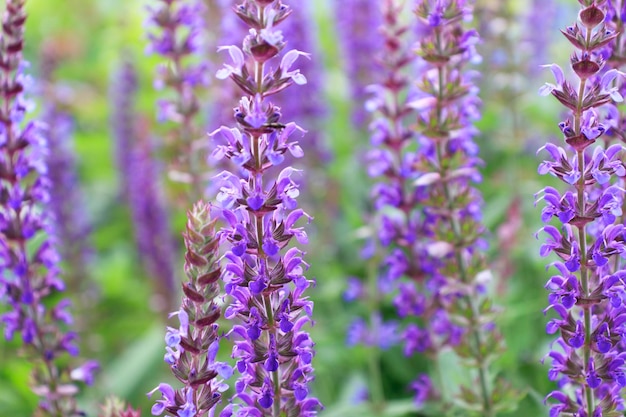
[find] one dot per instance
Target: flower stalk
(454, 308)
(29, 282)
(179, 37)
(588, 290)
(192, 348)
(263, 275)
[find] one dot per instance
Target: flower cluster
(192, 347)
(29, 282)
(357, 21)
(178, 37)
(447, 291)
(387, 162)
(587, 292)
(264, 274)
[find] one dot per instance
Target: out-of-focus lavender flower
(123, 118)
(139, 178)
(192, 347)
(310, 112)
(389, 135)
(587, 292)
(264, 275)
(378, 333)
(70, 226)
(390, 139)
(150, 216)
(178, 35)
(432, 209)
(357, 22)
(29, 282)
(539, 22)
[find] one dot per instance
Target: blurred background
(119, 313)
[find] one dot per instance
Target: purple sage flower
(389, 137)
(430, 208)
(29, 273)
(263, 273)
(587, 292)
(191, 349)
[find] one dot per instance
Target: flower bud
(591, 16)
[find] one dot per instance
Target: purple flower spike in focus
(191, 348)
(587, 291)
(32, 309)
(264, 271)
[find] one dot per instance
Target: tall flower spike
(179, 38)
(139, 174)
(587, 292)
(357, 21)
(390, 139)
(300, 31)
(67, 203)
(29, 282)
(192, 347)
(447, 235)
(150, 219)
(264, 274)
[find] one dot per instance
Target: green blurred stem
(257, 181)
(375, 380)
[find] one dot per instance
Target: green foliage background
(123, 330)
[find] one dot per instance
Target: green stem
(582, 240)
(257, 182)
